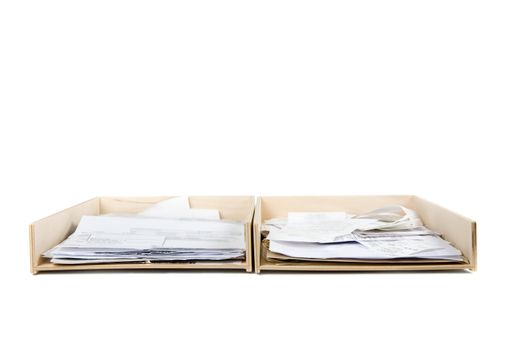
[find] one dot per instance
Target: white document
(393, 218)
(116, 239)
(391, 235)
(353, 250)
(94, 231)
(176, 203)
(320, 232)
(179, 208)
(411, 246)
(328, 227)
(274, 224)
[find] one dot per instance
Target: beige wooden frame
(50, 231)
(458, 230)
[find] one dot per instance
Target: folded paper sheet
(168, 231)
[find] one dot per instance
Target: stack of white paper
(386, 233)
(165, 232)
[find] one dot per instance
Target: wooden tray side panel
(273, 207)
(248, 247)
(257, 222)
(230, 207)
(48, 232)
(455, 228)
(130, 205)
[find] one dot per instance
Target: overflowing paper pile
(387, 233)
(168, 231)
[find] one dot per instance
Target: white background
(252, 97)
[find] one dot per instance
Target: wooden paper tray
(458, 230)
(48, 232)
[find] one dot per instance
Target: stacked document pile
(395, 234)
(168, 231)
